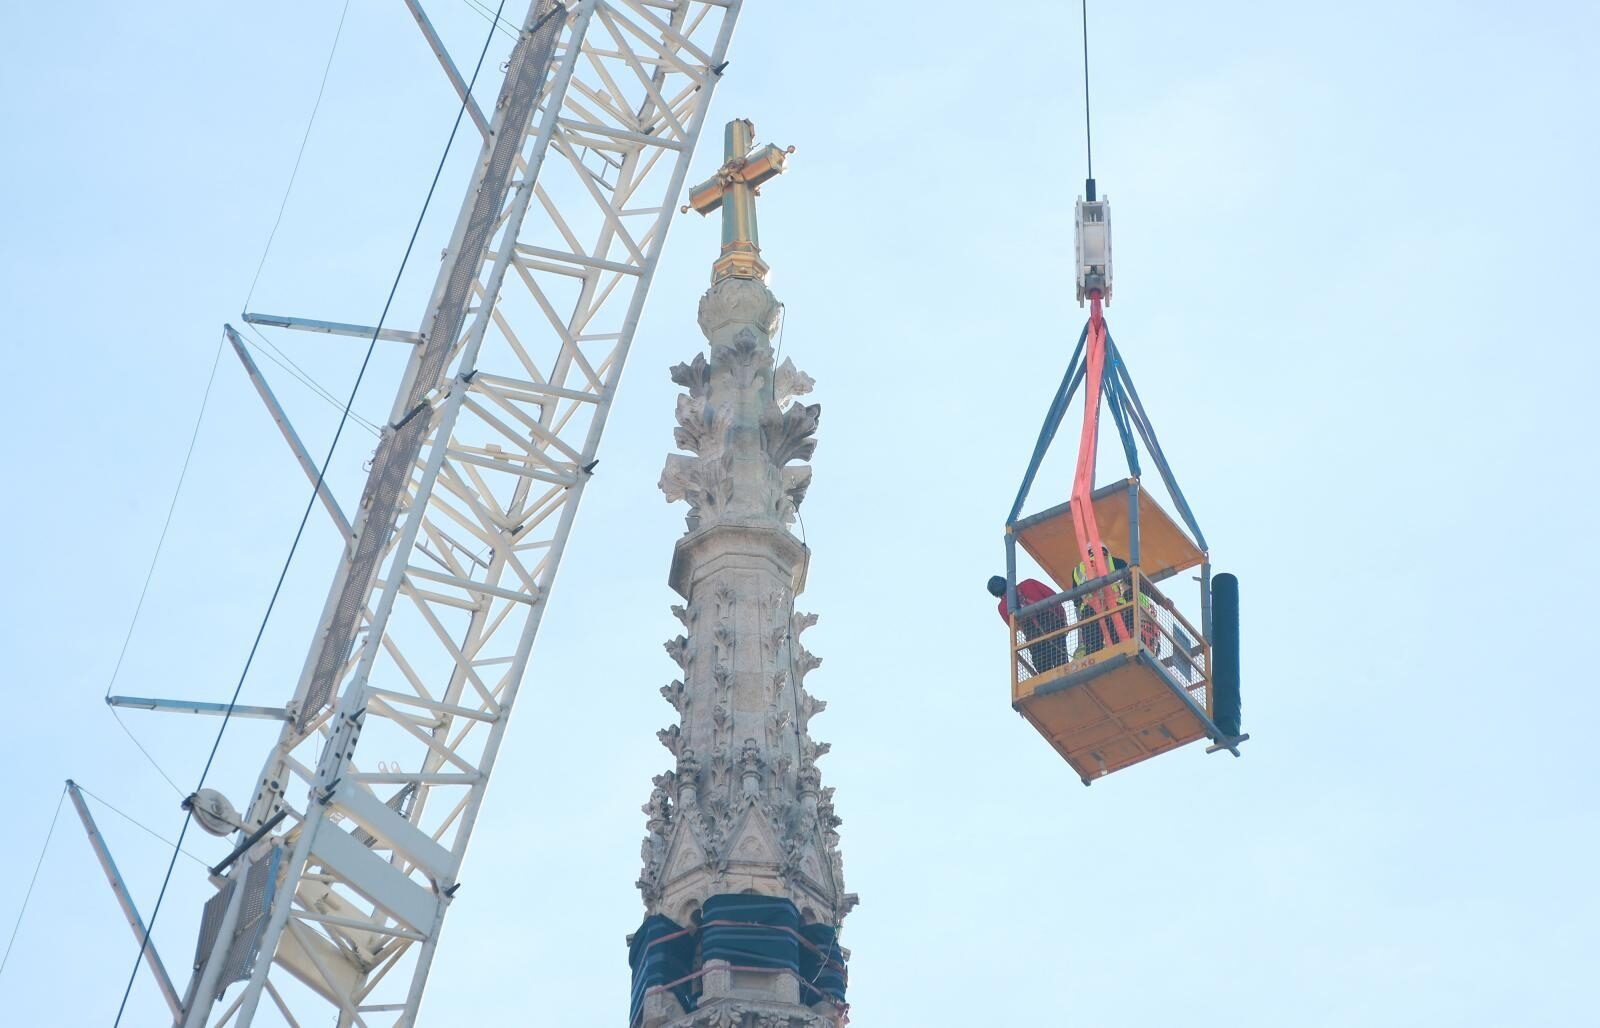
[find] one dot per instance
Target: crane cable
(188, 818)
(1085, 523)
(1088, 135)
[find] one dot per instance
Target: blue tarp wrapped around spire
(752, 942)
(746, 931)
(824, 966)
(659, 962)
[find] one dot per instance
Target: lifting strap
(1083, 519)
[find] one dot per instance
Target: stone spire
(741, 814)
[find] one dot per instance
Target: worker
(1047, 653)
(1092, 636)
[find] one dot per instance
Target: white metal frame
(1092, 219)
(511, 411)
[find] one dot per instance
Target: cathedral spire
(742, 880)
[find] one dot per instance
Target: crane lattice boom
(338, 899)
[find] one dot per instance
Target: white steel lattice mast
(334, 899)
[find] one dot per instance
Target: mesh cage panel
(391, 468)
(253, 907)
(1058, 636)
(1043, 642)
(398, 450)
(1166, 637)
(211, 923)
(525, 77)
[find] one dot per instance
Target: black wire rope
(1088, 136)
(311, 502)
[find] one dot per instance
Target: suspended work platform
(1109, 671)
(1103, 664)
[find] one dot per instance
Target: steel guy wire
(188, 817)
(495, 20)
(150, 573)
(274, 353)
(117, 716)
(34, 880)
(161, 540)
(136, 823)
(299, 154)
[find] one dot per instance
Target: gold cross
(734, 188)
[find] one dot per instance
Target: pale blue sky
(1354, 279)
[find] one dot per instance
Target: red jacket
(1029, 591)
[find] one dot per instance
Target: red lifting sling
(1083, 481)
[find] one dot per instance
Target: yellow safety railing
(1069, 633)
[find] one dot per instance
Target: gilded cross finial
(734, 188)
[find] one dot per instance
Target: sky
(1354, 271)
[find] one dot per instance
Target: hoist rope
(1088, 137)
(322, 471)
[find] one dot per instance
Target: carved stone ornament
(738, 301)
(706, 483)
(693, 376)
(688, 779)
(787, 437)
(789, 381)
(746, 1014)
(796, 480)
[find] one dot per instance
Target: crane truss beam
(428, 627)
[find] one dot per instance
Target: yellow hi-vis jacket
(1080, 575)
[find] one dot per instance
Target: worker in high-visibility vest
(1092, 635)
